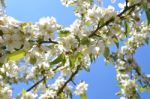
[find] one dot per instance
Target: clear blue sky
(101, 78)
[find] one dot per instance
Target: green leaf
(15, 56)
(77, 37)
(91, 1)
(40, 39)
(83, 96)
(92, 58)
(24, 92)
(119, 93)
(88, 23)
(32, 60)
(51, 46)
(127, 28)
(146, 11)
(106, 52)
(64, 33)
(85, 41)
(148, 16)
(1, 64)
(144, 5)
(86, 68)
(69, 92)
(73, 59)
(142, 89)
(60, 58)
(147, 40)
(115, 39)
(1, 33)
(62, 95)
(79, 56)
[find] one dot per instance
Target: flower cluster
(125, 64)
(5, 92)
(43, 51)
(81, 88)
(28, 95)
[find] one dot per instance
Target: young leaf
(72, 60)
(64, 33)
(148, 16)
(146, 11)
(88, 23)
(1, 64)
(86, 69)
(147, 40)
(24, 92)
(69, 93)
(115, 39)
(92, 58)
(85, 41)
(119, 93)
(142, 89)
(91, 1)
(106, 52)
(1, 33)
(15, 56)
(83, 96)
(127, 28)
(62, 95)
(32, 60)
(79, 56)
(59, 59)
(77, 37)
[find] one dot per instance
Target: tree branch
(37, 83)
(49, 41)
(40, 81)
(112, 19)
(43, 42)
(78, 67)
(70, 79)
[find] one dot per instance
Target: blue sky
(101, 78)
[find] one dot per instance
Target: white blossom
(81, 88)
(48, 94)
(28, 95)
(49, 54)
(6, 93)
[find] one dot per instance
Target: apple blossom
(47, 51)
